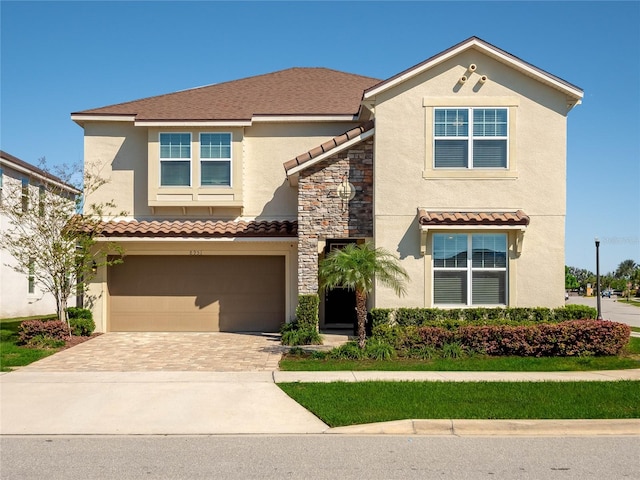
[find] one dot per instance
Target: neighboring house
(22, 183)
(457, 165)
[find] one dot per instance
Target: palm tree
(625, 269)
(357, 267)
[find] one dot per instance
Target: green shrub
(307, 311)
(575, 312)
(380, 316)
(45, 342)
(77, 312)
(348, 351)
(453, 350)
(82, 327)
(378, 349)
(298, 336)
(5, 335)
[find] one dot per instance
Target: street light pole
(598, 278)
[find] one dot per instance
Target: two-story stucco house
(21, 185)
(456, 165)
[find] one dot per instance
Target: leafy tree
(357, 267)
(50, 241)
(570, 281)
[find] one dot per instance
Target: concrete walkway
(203, 384)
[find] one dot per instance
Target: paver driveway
(171, 351)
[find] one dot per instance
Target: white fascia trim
(32, 174)
(193, 123)
(333, 151)
(103, 118)
(303, 118)
(426, 228)
(491, 52)
(119, 239)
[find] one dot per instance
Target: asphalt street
(319, 457)
(612, 309)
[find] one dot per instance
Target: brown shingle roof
(329, 145)
(472, 218)
(204, 228)
(295, 91)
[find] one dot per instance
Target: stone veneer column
(323, 214)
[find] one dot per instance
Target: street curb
(473, 428)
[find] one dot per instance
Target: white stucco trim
(102, 118)
(303, 118)
(192, 123)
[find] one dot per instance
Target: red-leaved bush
(571, 338)
(54, 329)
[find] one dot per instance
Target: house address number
(195, 252)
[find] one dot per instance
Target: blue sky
(61, 57)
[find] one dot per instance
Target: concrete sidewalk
(216, 403)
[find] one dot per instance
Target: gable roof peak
(573, 92)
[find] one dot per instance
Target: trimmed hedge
(570, 338)
(37, 329)
(455, 318)
(81, 321)
(307, 312)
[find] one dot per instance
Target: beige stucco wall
(127, 156)
(98, 294)
(117, 153)
(267, 146)
(535, 181)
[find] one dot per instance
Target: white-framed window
(215, 159)
(175, 159)
(25, 194)
(470, 269)
(474, 137)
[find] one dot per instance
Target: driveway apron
(154, 383)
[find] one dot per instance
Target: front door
(339, 303)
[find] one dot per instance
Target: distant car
(606, 293)
(566, 296)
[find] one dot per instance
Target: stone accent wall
(323, 214)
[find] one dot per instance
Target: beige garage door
(197, 294)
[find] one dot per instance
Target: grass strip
(340, 404)
(13, 355)
(476, 364)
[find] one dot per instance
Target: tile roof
(199, 228)
(472, 218)
(295, 91)
(329, 145)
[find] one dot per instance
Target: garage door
(197, 294)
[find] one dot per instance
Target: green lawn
(339, 403)
(12, 355)
(631, 359)
(629, 302)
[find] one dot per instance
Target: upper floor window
(470, 137)
(175, 159)
(470, 269)
(215, 159)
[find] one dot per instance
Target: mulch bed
(73, 341)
